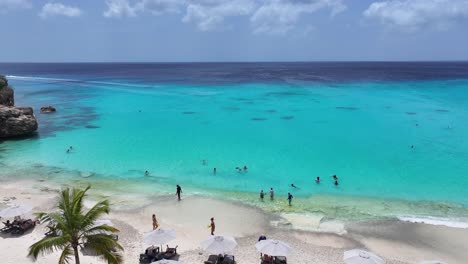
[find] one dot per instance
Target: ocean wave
(456, 223)
(47, 79)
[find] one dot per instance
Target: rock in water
(16, 121)
(6, 93)
(48, 109)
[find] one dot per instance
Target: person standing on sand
(272, 194)
(178, 191)
(155, 222)
(290, 198)
(212, 225)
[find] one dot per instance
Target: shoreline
(322, 207)
(397, 241)
(318, 213)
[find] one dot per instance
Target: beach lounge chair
(7, 228)
(265, 259)
(212, 259)
(280, 260)
(169, 253)
(23, 226)
(150, 255)
(228, 259)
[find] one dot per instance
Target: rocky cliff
(14, 121)
(6, 93)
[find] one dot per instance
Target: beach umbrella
(166, 261)
(273, 247)
(159, 236)
(15, 210)
(357, 256)
(219, 244)
(432, 262)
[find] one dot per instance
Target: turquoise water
(360, 131)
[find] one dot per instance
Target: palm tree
(76, 228)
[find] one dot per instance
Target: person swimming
(336, 182)
(214, 170)
(245, 168)
(146, 173)
(203, 162)
(335, 177)
(239, 169)
(317, 180)
(294, 186)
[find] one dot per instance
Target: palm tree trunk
(77, 258)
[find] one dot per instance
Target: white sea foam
(44, 79)
(457, 223)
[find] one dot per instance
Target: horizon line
(207, 62)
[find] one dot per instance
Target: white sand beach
(395, 241)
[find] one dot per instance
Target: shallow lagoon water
(284, 132)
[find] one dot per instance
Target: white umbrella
(159, 236)
(15, 210)
(357, 256)
(272, 247)
(219, 244)
(432, 262)
(166, 261)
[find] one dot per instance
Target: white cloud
(6, 5)
(210, 14)
(58, 9)
(119, 8)
(266, 16)
(124, 8)
(281, 16)
(412, 15)
(159, 7)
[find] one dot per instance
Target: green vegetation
(77, 229)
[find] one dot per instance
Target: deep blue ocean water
(393, 132)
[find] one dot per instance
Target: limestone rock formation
(48, 109)
(6, 92)
(14, 121)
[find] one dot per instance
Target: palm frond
(77, 227)
(102, 242)
(48, 245)
(100, 229)
(105, 247)
(65, 257)
(77, 202)
(112, 257)
(95, 212)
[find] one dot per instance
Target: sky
(232, 30)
